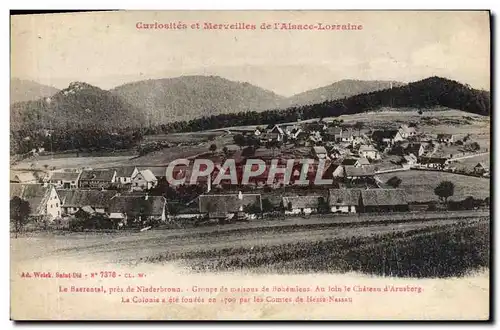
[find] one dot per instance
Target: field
(419, 185)
(206, 248)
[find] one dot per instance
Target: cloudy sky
(106, 49)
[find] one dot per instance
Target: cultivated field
(202, 248)
(419, 185)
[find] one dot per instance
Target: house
(355, 173)
(100, 179)
(125, 174)
(417, 149)
(74, 199)
(343, 200)
(333, 133)
(334, 170)
(275, 133)
(138, 208)
(383, 200)
(388, 137)
(160, 172)
(348, 135)
(406, 131)
(410, 159)
(480, 169)
(445, 138)
(356, 162)
(315, 126)
(144, 180)
(43, 200)
(369, 152)
(301, 204)
(320, 152)
(65, 180)
(315, 137)
(434, 162)
(23, 177)
(228, 205)
(293, 131)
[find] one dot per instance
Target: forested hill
(427, 93)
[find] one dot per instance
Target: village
(353, 159)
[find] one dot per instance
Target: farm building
(320, 152)
(445, 138)
(160, 172)
(417, 149)
(434, 162)
(480, 169)
(383, 200)
(343, 200)
(406, 131)
(333, 133)
(301, 204)
(356, 173)
(144, 180)
(125, 174)
(43, 201)
(368, 152)
(97, 178)
(228, 205)
(65, 180)
(137, 208)
(387, 137)
(409, 160)
(72, 200)
(23, 177)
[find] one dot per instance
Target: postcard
(250, 165)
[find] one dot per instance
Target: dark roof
(352, 171)
(100, 175)
(384, 197)
(349, 161)
(301, 202)
(343, 197)
(131, 204)
(413, 148)
(433, 160)
(384, 134)
(444, 136)
(227, 203)
(35, 194)
(80, 198)
(64, 176)
(125, 171)
(158, 171)
(480, 165)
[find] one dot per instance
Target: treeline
(23, 141)
(424, 94)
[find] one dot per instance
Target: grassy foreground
(430, 252)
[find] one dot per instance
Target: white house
(406, 132)
(369, 152)
(43, 200)
(320, 152)
(446, 138)
(343, 200)
(144, 180)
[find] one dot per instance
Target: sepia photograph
(250, 165)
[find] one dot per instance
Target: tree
(420, 112)
(267, 206)
(19, 212)
(323, 206)
(239, 140)
(225, 150)
(213, 147)
(445, 190)
(359, 125)
(394, 182)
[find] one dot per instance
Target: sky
(107, 49)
